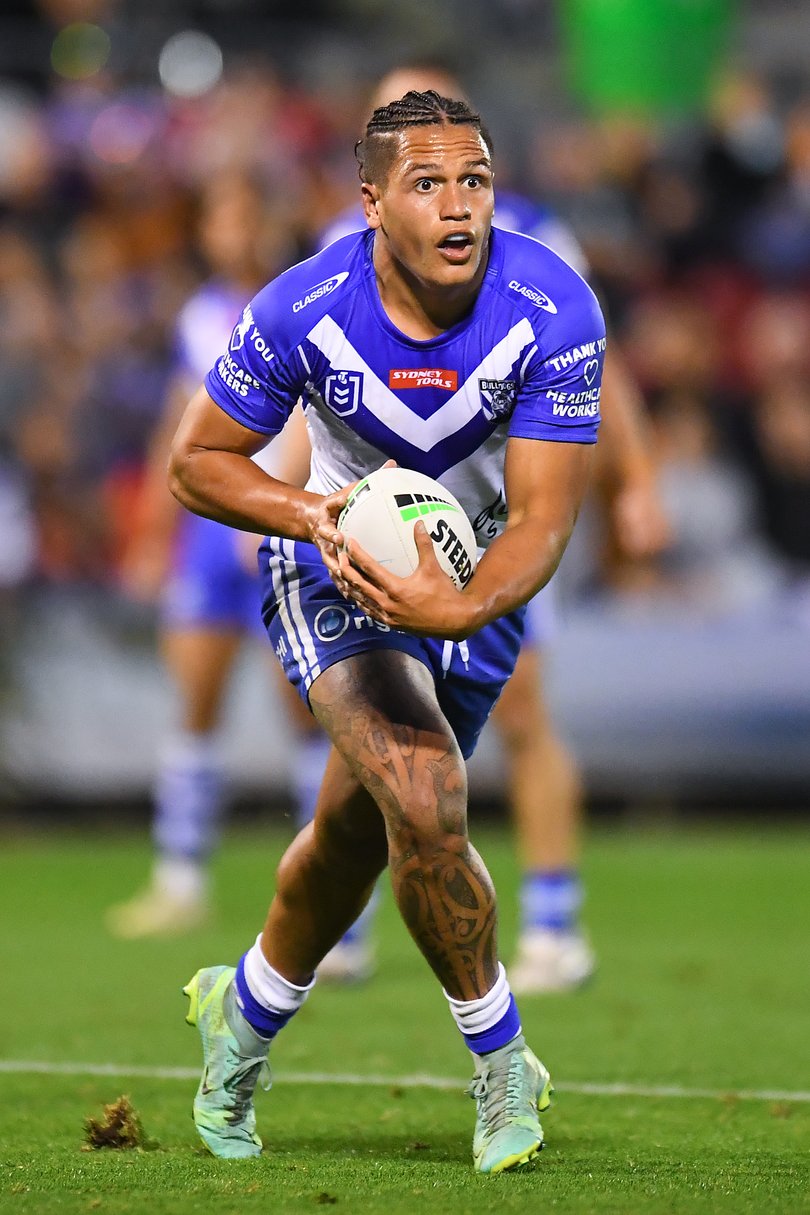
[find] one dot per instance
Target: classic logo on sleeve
(537, 297)
(498, 398)
(423, 377)
(320, 289)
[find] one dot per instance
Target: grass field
(699, 1015)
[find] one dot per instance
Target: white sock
(180, 877)
(491, 1021)
(268, 987)
(474, 1016)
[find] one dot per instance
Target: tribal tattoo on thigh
(442, 887)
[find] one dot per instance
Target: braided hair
(375, 151)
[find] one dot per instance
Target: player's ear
(371, 196)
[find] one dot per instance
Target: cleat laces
(498, 1093)
(240, 1083)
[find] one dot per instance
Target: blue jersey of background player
(212, 582)
(526, 363)
(205, 578)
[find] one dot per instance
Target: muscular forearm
(514, 568)
(230, 488)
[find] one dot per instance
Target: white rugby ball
(381, 513)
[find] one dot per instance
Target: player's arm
(146, 559)
(212, 474)
(625, 473)
(545, 483)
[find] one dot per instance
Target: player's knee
(520, 731)
(430, 826)
(345, 843)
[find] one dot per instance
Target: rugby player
(404, 694)
(545, 788)
(205, 580)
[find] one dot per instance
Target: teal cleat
(510, 1085)
(234, 1056)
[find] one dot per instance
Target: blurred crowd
(698, 233)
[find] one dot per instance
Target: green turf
(703, 983)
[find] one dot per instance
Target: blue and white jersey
(526, 362)
(513, 213)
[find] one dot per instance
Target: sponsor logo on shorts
(499, 398)
(343, 392)
(332, 622)
(537, 297)
(423, 377)
(320, 290)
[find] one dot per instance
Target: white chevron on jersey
(453, 415)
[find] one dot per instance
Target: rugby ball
(382, 510)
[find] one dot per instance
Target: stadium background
(674, 138)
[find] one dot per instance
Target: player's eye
(424, 184)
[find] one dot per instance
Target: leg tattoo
(412, 768)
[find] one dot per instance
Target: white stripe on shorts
(312, 667)
(283, 611)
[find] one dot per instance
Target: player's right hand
(144, 569)
(323, 530)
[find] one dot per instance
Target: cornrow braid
(374, 152)
(421, 109)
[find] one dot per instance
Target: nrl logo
(343, 392)
(498, 398)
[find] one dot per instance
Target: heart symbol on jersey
(589, 371)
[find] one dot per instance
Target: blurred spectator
(778, 433)
(717, 561)
(99, 182)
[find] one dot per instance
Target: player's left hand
(426, 603)
(639, 519)
(323, 532)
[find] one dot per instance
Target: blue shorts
(213, 583)
(312, 627)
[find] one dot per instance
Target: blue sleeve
(562, 382)
(251, 381)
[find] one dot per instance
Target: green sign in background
(647, 56)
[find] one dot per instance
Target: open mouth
(456, 245)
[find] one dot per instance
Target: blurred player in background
(545, 790)
(206, 579)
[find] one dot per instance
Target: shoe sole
(519, 1160)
